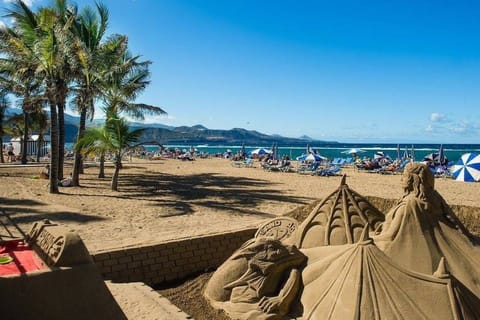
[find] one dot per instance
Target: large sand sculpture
(349, 261)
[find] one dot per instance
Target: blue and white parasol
(467, 168)
(261, 151)
(312, 157)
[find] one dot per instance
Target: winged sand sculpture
(348, 260)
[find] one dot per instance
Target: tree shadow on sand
(15, 213)
(181, 194)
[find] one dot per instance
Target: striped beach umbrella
(467, 168)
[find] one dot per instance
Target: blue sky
(350, 71)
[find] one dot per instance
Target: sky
(347, 71)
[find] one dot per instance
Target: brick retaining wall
(170, 261)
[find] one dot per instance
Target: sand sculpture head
(418, 179)
(263, 250)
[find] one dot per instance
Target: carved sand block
(52, 276)
(280, 228)
(350, 261)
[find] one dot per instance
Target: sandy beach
(170, 199)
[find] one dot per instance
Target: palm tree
(126, 79)
(4, 102)
(64, 72)
(34, 43)
(88, 29)
(17, 68)
(95, 141)
(45, 35)
(115, 137)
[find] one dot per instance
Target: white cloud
(435, 116)
(2, 24)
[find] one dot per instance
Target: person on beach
(10, 153)
(45, 174)
(66, 182)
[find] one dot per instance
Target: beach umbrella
(431, 157)
(261, 151)
(413, 153)
(398, 152)
(467, 168)
(312, 157)
(441, 155)
(353, 151)
(379, 155)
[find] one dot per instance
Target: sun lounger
(393, 168)
(247, 163)
(282, 167)
(308, 168)
(329, 171)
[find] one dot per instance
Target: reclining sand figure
(266, 280)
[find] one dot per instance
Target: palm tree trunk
(25, 137)
(2, 118)
(39, 146)
(77, 165)
(61, 138)
(2, 158)
(118, 165)
(53, 144)
(101, 172)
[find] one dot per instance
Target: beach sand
(170, 199)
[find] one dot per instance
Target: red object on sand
(24, 258)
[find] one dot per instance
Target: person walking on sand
(10, 153)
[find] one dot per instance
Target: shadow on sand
(185, 194)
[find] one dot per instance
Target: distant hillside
(194, 135)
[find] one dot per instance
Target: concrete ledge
(139, 301)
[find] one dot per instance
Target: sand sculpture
(52, 276)
(349, 261)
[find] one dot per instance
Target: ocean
(452, 151)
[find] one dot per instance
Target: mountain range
(162, 134)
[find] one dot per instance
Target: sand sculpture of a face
(422, 265)
(418, 179)
(259, 281)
